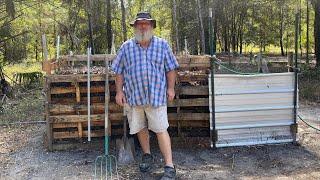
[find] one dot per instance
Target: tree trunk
(123, 21)
(89, 12)
(225, 38)
(241, 33)
(307, 53)
(317, 31)
(108, 26)
(233, 32)
(202, 38)
(300, 30)
(281, 30)
(175, 23)
(215, 31)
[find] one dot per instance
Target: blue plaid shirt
(144, 71)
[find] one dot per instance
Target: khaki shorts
(140, 117)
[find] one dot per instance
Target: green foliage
(309, 83)
(28, 78)
(253, 24)
(10, 8)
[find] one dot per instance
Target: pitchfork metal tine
(111, 166)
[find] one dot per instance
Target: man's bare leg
(165, 147)
(143, 137)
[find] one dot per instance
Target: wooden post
(80, 131)
(77, 92)
(46, 65)
(47, 104)
(290, 61)
(178, 109)
(44, 47)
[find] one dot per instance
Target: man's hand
(121, 98)
(170, 94)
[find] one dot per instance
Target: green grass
(25, 67)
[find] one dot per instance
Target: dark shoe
(146, 163)
(169, 173)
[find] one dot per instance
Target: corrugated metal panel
(254, 109)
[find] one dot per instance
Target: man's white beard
(143, 36)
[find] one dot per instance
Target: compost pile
(81, 70)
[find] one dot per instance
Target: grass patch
(23, 105)
(25, 67)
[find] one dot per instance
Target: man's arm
(171, 79)
(120, 96)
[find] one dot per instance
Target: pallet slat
(56, 109)
(194, 90)
(118, 117)
(80, 90)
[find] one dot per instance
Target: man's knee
(162, 133)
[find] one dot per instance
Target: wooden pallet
(66, 101)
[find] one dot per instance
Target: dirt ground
(23, 156)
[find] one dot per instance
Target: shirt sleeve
(171, 62)
(118, 63)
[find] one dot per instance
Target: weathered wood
(100, 132)
(185, 90)
(77, 92)
(75, 134)
(189, 124)
(60, 109)
(46, 67)
(118, 117)
(83, 118)
(79, 77)
(80, 131)
(185, 61)
(75, 125)
(188, 77)
(67, 101)
(194, 90)
(64, 125)
(177, 103)
(188, 102)
(70, 89)
(57, 109)
(290, 61)
(194, 65)
(100, 77)
(189, 117)
(188, 59)
(108, 57)
(48, 125)
(94, 133)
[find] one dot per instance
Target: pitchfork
(105, 165)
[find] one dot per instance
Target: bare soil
(23, 156)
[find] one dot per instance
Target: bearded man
(145, 78)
